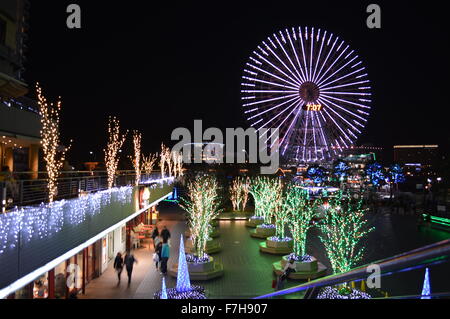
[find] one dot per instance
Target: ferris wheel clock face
(310, 85)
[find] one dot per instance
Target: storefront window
(60, 281)
(40, 289)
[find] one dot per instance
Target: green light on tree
(342, 230)
(300, 211)
(202, 206)
(266, 193)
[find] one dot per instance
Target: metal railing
(426, 256)
(34, 191)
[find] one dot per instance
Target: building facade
(19, 116)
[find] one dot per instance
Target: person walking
(129, 263)
(165, 234)
(155, 235)
(118, 266)
(157, 256)
(165, 254)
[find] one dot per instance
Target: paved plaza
(248, 273)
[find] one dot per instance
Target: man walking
(118, 266)
(129, 262)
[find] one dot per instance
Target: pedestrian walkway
(248, 272)
(144, 272)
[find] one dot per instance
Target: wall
(46, 235)
(19, 122)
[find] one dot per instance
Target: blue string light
(426, 290)
(183, 281)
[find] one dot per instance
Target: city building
(19, 116)
(417, 160)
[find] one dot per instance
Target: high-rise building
(19, 117)
(417, 159)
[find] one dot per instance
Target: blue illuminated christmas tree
(426, 291)
(183, 281)
(163, 290)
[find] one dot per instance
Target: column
(83, 284)
(51, 284)
(33, 160)
(9, 158)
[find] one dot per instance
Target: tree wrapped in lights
(266, 192)
(255, 191)
(177, 159)
(239, 190)
(183, 280)
(395, 176)
(301, 211)
(343, 228)
(54, 157)
(340, 170)
(148, 163)
(165, 161)
(115, 142)
(316, 173)
(136, 159)
(375, 174)
(202, 206)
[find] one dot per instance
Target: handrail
(386, 265)
(34, 191)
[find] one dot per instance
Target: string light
(38, 222)
(54, 157)
(266, 192)
(333, 293)
(113, 148)
(183, 281)
(343, 228)
(177, 158)
(184, 289)
(202, 206)
(136, 159)
(426, 290)
(239, 191)
(148, 163)
(301, 211)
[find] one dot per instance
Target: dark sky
(161, 67)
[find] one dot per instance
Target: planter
(276, 247)
(306, 270)
(284, 244)
(254, 221)
(302, 266)
(262, 231)
(201, 267)
(212, 246)
(200, 271)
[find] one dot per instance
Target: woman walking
(118, 266)
(165, 253)
(157, 255)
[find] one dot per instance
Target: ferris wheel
(310, 85)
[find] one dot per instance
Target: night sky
(161, 67)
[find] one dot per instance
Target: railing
(71, 184)
(34, 239)
(394, 271)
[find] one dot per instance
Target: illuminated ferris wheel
(312, 86)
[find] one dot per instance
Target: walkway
(248, 273)
(145, 279)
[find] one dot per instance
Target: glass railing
(418, 274)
